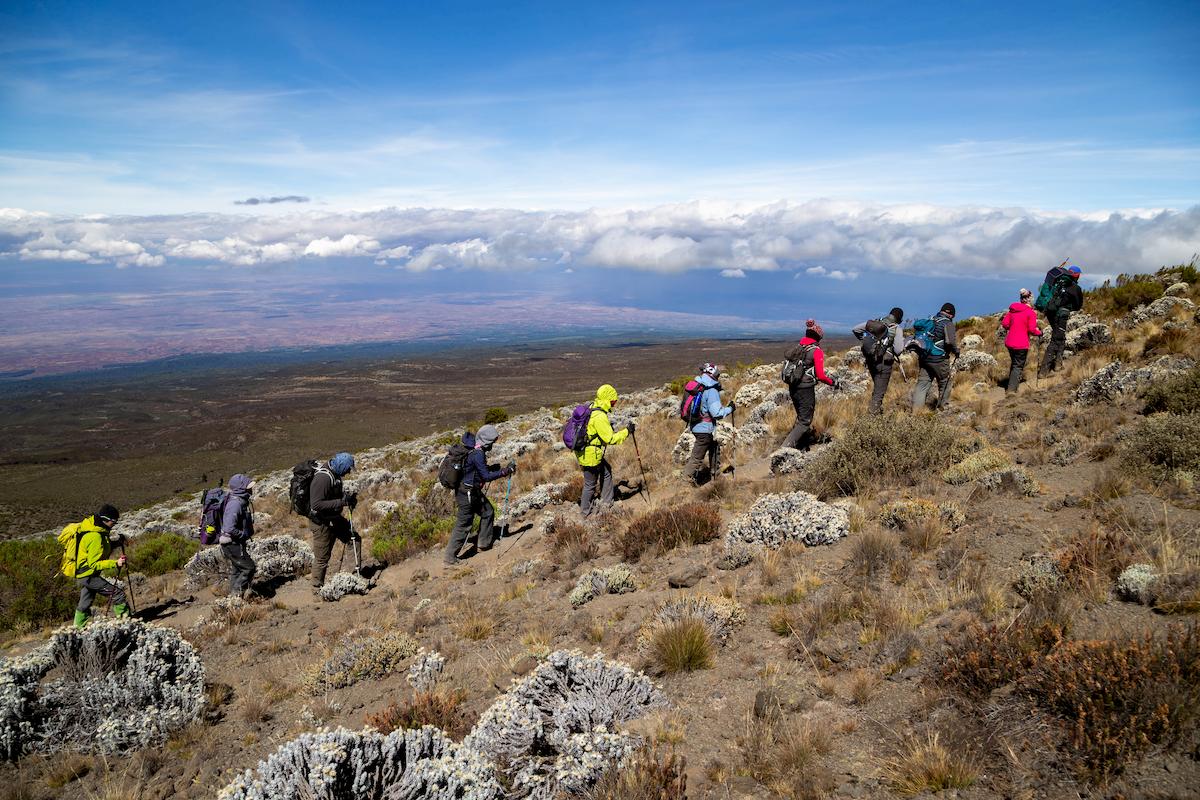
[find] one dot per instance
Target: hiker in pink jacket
(1020, 322)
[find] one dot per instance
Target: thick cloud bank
(837, 240)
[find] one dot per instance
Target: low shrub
(572, 491)
(495, 415)
(1179, 395)
(32, 592)
(976, 465)
(1093, 560)
(1173, 342)
(406, 530)
(1121, 698)
(874, 552)
(982, 659)
(360, 658)
(571, 543)
(667, 528)
(648, 774)
(1179, 593)
(440, 707)
(1164, 445)
(158, 553)
(924, 764)
(886, 450)
(1140, 290)
(682, 646)
(784, 753)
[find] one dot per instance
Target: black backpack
(876, 340)
(450, 472)
(300, 489)
(802, 369)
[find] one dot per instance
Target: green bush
(1179, 395)
(159, 553)
(1185, 273)
(32, 591)
(1139, 291)
(407, 530)
(887, 450)
(494, 415)
(1164, 445)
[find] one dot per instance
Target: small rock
(1176, 289)
(687, 577)
(766, 704)
(524, 666)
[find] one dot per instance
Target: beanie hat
(814, 330)
(949, 308)
(1074, 270)
(897, 314)
(341, 464)
(486, 436)
(711, 370)
(108, 515)
(1026, 293)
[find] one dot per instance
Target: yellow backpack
(69, 539)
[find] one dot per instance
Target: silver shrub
(360, 658)
(119, 685)
(602, 580)
(275, 556)
(540, 496)
(426, 670)
(778, 518)
(342, 584)
(343, 765)
(532, 728)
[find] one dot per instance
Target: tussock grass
(874, 553)
(925, 764)
(683, 646)
(667, 528)
(571, 544)
(441, 707)
(474, 621)
(784, 753)
(1179, 395)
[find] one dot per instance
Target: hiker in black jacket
(1066, 300)
(325, 520)
(470, 497)
(879, 364)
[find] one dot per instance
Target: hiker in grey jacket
(237, 526)
(711, 410)
(879, 365)
(935, 366)
(326, 501)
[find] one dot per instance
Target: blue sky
(866, 148)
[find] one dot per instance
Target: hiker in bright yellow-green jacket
(600, 435)
(86, 551)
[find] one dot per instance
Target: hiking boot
(452, 562)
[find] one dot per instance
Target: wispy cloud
(286, 198)
(832, 274)
(733, 273)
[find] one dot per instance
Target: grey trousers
(471, 503)
(881, 376)
(324, 534)
(930, 371)
(804, 400)
(706, 446)
(243, 567)
(95, 584)
(600, 474)
(1017, 357)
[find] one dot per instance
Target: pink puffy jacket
(1020, 321)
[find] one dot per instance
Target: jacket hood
(90, 524)
(706, 380)
(606, 395)
(468, 439)
(240, 484)
(1019, 307)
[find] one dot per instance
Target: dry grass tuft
(683, 646)
(667, 528)
(474, 621)
(878, 451)
(571, 544)
(924, 764)
(649, 774)
(440, 707)
(874, 553)
(784, 754)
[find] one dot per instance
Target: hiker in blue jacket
(711, 410)
(237, 526)
(470, 497)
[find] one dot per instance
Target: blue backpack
(212, 507)
(574, 433)
(924, 331)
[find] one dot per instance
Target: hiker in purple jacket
(237, 526)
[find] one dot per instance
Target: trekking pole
(733, 444)
(356, 544)
(128, 581)
(645, 484)
(503, 529)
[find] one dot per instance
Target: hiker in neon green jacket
(87, 548)
(600, 435)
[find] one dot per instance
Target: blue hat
(1074, 270)
(341, 464)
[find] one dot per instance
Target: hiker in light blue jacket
(703, 423)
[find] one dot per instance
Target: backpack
(691, 407)
(300, 488)
(212, 508)
(574, 433)
(450, 471)
(803, 369)
(69, 539)
(876, 340)
(1049, 288)
(924, 331)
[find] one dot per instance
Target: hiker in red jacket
(807, 366)
(1020, 322)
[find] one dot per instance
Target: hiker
(709, 410)
(237, 526)
(597, 473)
(87, 546)
(470, 497)
(325, 520)
(934, 342)
(1066, 298)
(1020, 322)
(882, 343)
(807, 366)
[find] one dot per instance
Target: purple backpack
(212, 507)
(575, 431)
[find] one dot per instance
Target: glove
(121, 560)
(732, 406)
(511, 468)
(631, 427)
(351, 500)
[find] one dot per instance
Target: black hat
(949, 308)
(897, 314)
(108, 515)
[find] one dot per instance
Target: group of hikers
(317, 490)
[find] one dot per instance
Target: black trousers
(471, 503)
(243, 567)
(804, 400)
(1016, 368)
(1052, 358)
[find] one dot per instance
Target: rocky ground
(837, 626)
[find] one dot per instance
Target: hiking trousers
(706, 446)
(95, 584)
(471, 503)
(930, 371)
(881, 376)
(1052, 358)
(804, 400)
(600, 474)
(243, 567)
(325, 532)
(1017, 355)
